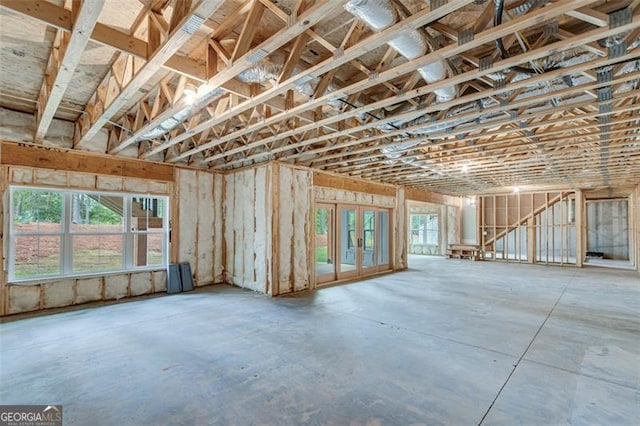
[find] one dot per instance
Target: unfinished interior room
(341, 212)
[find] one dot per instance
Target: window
(424, 229)
(65, 233)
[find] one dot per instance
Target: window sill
(45, 280)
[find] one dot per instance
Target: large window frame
(130, 231)
(425, 229)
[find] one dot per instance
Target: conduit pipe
(381, 14)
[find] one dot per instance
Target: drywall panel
(88, 290)
(57, 293)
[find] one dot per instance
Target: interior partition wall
(533, 227)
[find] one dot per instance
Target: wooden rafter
(65, 57)
(114, 93)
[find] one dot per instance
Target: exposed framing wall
(59, 171)
(531, 227)
(247, 220)
(197, 224)
(251, 228)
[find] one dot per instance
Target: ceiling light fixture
(190, 93)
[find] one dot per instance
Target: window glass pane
(155, 249)
(37, 211)
(36, 256)
(147, 213)
(96, 213)
(97, 252)
(148, 249)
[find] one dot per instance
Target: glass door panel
(384, 245)
(325, 247)
(348, 242)
(368, 242)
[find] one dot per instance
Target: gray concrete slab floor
(445, 342)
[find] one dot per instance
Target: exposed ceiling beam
(541, 52)
(305, 21)
(60, 18)
(109, 103)
(63, 60)
(415, 21)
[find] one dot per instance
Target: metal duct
(204, 96)
(381, 14)
(167, 124)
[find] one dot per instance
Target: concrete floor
(447, 342)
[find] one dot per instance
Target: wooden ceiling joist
(115, 95)
(446, 52)
(65, 57)
(332, 92)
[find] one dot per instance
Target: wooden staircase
(536, 210)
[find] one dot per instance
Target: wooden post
(531, 240)
(4, 197)
(581, 228)
(275, 229)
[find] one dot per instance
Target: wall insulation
(294, 226)
(55, 293)
(400, 231)
(197, 215)
(247, 214)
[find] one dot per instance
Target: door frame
(359, 272)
